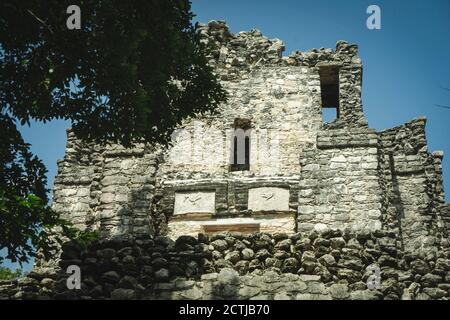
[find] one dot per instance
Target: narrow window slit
(241, 145)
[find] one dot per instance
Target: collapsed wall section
(414, 187)
(234, 56)
(72, 185)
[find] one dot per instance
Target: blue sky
(406, 63)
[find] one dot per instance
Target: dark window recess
(235, 150)
(243, 125)
(247, 150)
(329, 87)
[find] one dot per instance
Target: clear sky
(406, 63)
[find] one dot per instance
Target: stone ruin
(298, 173)
(266, 169)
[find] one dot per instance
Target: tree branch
(441, 106)
(40, 21)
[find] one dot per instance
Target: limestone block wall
(270, 204)
(281, 98)
(236, 55)
(445, 213)
(269, 223)
(233, 197)
(108, 189)
(72, 185)
(304, 174)
(124, 193)
(339, 183)
(281, 105)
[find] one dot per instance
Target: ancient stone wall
(108, 189)
(178, 190)
(304, 174)
(445, 214)
(413, 182)
(329, 265)
(278, 102)
(339, 185)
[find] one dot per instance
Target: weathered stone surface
(290, 265)
(127, 282)
(339, 291)
(228, 276)
(283, 245)
(111, 277)
(219, 244)
(123, 294)
(233, 256)
(327, 260)
(179, 272)
(282, 296)
(363, 295)
(162, 275)
(248, 254)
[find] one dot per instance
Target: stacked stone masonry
(328, 265)
(304, 176)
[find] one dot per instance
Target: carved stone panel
(194, 202)
(268, 199)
